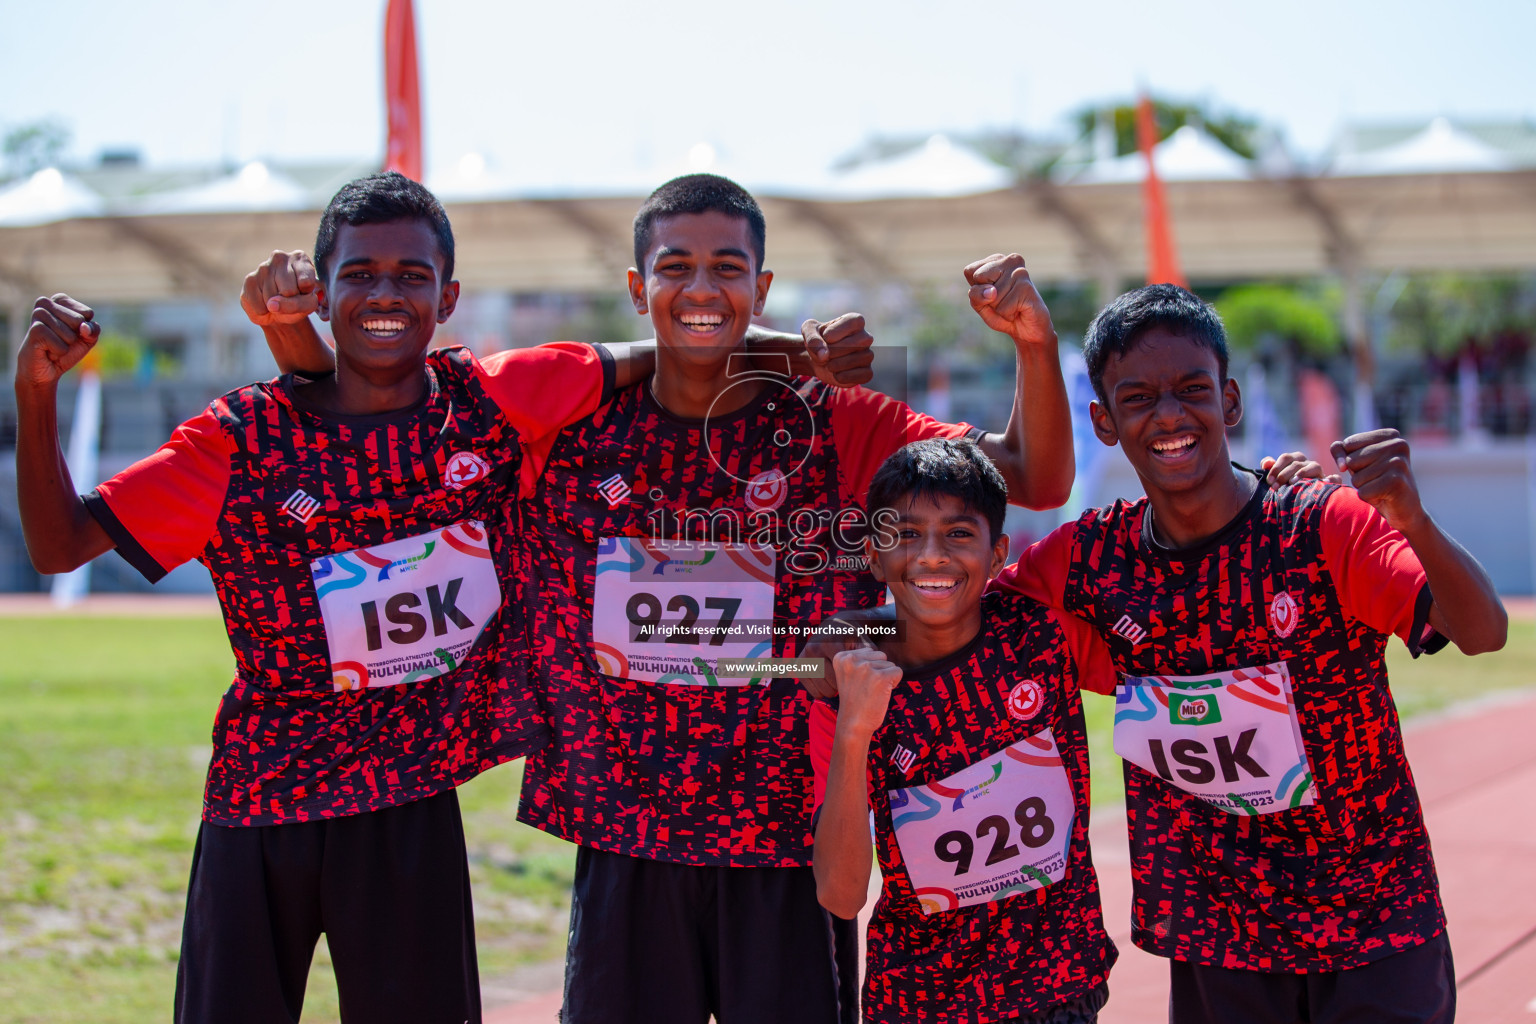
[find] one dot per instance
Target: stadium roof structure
(916, 216)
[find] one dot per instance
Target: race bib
(999, 827)
(406, 610)
(1229, 738)
(668, 612)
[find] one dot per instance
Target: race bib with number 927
(668, 611)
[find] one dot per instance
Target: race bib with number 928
(1001, 826)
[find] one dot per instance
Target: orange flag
(1162, 260)
(402, 90)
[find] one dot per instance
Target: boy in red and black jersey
(703, 517)
(1279, 852)
(355, 530)
(963, 732)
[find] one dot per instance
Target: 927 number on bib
(1035, 830)
(644, 613)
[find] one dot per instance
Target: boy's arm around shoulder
(1466, 607)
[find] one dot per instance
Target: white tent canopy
(1441, 148)
(252, 189)
(47, 196)
(1189, 154)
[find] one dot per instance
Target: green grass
(104, 727)
(104, 742)
(1420, 686)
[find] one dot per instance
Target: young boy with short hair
(356, 529)
(962, 734)
(689, 524)
(1279, 855)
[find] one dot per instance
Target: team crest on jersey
(1284, 613)
(903, 758)
(465, 468)
(767, 490)
(301, 506)
(615, 490)
(1026, 700)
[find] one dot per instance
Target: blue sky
(562, 88)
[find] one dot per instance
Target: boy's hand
(1006, 299)
(1377, 463)
(865, 679)
(62, 332)
(839, 350)
(1295, 466)
(281, 290)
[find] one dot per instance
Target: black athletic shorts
(1416, 986)
(659, 943)
(390, 891)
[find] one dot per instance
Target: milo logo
(1193, 710)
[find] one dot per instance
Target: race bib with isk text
(1229, 738)
(1001, 826)
(671, 611)
(406, 610)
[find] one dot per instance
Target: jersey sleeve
(868, 426)
(163, 510)
(1376, 573)
(1042, 569)
(543, 388)
(1095, 670)
(823, 725)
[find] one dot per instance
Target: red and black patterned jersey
(1013, 688)
(295, 510)
(697, 774)
(1312, 577)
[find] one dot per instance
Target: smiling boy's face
(942, 559)
(385, 295)
(1169, 409)
(700, 285)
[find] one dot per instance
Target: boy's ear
(636, 281)
(323, 301)
(1103, 424)
(999, 555)
(449, 301)
(1232, 403)
(764, 279)
(872, 553)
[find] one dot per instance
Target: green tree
(1441, 313)
(30, 147)
(1238, 132)
(1255, 311)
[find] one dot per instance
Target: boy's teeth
(933, 584)
(1174, 445)
(384, 326)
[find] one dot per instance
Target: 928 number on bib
(999, 827)
(1035, 830)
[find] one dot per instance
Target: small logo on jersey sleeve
(301, 506)
(1284, 613)
(1128, 628)
(903, 758)
(1026, 700)
(465, 468)
(767, 490)
(615, 490)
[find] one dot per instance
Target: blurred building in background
(1391, 281)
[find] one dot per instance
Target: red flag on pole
(402, 90)
(1162, 260)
